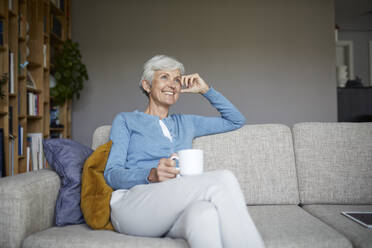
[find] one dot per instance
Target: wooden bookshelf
(28, 37)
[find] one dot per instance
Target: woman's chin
(170, 102)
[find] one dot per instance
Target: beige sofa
(296, 182)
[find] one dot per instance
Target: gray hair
(159, 62)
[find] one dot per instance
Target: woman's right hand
(166, 170)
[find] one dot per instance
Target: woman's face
(166, 87)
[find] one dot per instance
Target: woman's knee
(225, 176)
(201, 214)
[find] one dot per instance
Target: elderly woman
(206, 210)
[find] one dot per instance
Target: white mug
(190, 161)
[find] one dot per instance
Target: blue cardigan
(138, 142)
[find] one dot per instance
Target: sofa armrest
(27, 203)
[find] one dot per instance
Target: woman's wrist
(204, 90)
(152, 176)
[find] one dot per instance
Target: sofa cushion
(334, 162)
(291, 226)
(360, 236)
(100, 136)
(261, 157)
(95, 193)
(67, 158)
(82, 236)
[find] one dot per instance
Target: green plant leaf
(57, 75)
(70, 72)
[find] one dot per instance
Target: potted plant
(69, 72)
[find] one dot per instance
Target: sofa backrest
(334, 162)
(100, 136)
(262, 159)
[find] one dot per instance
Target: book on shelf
(56, 26)
(62, 5)
(10, 4)
(45, 21)
(20, 140)
(56, 135)
(35, 141)
(19, 101)
(11, 73)
(45, 55)
(10, 120)
(1, 32)
(2, 153)
(32, 104)
(11, 157)
(28, 154)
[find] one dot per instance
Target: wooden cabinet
(354, 104)
(32, 31)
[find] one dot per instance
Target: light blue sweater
(138, 142)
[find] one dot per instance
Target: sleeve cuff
(147, 172)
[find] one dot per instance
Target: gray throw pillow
(67, 158)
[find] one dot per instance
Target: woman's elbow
(240, 122)
(106, 176)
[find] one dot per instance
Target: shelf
(21, 117)
(34, 117)
(36, 91)
(57, 129)
(2, 16)
(33, 65)
(3, 48)
(12, 95)
(56, 39)
(21, 39)
(12, 13)
(21, 77)
(21, 156)
(3, 113)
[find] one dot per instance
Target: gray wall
(275, 60)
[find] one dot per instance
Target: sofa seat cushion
(360, 236)
(284, 226)
(82, 236)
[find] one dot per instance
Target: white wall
(275, 60)
(361, 53)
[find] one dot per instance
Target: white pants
(206, 210)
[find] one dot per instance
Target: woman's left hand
(194, 84)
